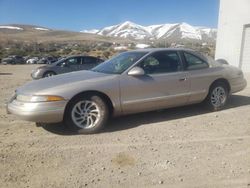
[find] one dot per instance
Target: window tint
(99, 60)
(161, 62)
(119, 63)
(89, 60)
(73, 61)
(194, 62)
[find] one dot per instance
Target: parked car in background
(15, 59)
(132, 82)
(69, 64)
(32, 60)
(52, 60)
(26, 58)
(47, 60)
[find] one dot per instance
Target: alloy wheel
(85, 114)
(49, 74)
(218, 97)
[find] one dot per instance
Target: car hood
(42, 67)
(63, 80)
(46, 66)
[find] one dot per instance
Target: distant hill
(32, 40)
(32, 33)
(122, 33)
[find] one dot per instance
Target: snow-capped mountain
(175, 31)
(125, 30)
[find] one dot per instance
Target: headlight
(35, 71)
(39, 98)
(13, 97)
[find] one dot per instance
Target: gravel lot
(181, 147)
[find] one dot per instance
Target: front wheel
(217, 96)
(86, 114)
(49, 74)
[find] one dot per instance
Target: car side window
(161, 62)
(73, 61)
(89, 60)
(193, 62)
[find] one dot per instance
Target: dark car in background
(65, 65)
(14, 59)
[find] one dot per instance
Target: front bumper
(36, 74)
(43, 112)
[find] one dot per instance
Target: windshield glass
(119, 63)
(59, 62)
(210, 59)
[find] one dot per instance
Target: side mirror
(136, 71)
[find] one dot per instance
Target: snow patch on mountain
(92, 31)
(126, 30)
(189, 32)
(10, 27)
(41, 29)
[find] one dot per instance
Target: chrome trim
(154, 99)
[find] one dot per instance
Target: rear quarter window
(193, 62)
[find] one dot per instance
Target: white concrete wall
(233, 15)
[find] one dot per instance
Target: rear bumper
(44, 112)
(238, 84)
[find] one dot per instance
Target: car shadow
(5, 73)
(135, 120)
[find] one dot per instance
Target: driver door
(163, 85)
(71, 64)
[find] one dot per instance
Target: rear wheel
(49, 74)
(218, 96)
(86, 114)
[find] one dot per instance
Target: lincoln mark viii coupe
(132, 82)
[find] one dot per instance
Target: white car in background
(32, 60)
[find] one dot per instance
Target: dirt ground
(181, 147)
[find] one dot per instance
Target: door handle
(182, 79)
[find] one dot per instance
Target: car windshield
(59, 62)
(119, 63)
(210, 59)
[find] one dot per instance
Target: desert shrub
(106, 54)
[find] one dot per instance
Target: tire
(86, 114)
(217, 97)
(49, 74)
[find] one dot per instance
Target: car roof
(194, 52)
(80, 56)
(163, 49)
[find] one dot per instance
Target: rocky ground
(181, 147)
